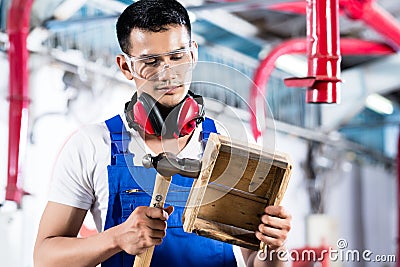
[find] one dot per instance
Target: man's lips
(169, 89)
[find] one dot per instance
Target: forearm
(72, 251)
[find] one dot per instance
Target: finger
(272, 242)
(157, 234)
(169, 209)
(156, 224)
(275, 222)
(157, 241)
(277, 211)
(157, 213)
(272, 232)
(148, 241)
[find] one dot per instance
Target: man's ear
(195, 52)
(123, 66)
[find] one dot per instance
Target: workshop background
(58, 72)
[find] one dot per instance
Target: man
(99, 167)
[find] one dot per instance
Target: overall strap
(120, 137)
(208, 127)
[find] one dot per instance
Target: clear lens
(149, 67)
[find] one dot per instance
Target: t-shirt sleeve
(72, 181)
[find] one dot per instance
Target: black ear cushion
(129, 112)
(149, 104)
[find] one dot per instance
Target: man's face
(172, 81)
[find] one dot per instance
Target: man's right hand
(144, 228)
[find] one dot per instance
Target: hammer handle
(161, 186)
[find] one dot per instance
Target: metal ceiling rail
(335, 141)
(236, 6)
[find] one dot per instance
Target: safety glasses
(148, 67)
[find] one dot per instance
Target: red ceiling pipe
(262, 75)
(258, 90)
(368, 11)
(323, 53)
(357, 47)
(374, 16)
(17, 29)
(291, 7)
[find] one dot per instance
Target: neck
(164, 110)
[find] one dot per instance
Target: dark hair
(150, 15)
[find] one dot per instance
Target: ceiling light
(379, 104)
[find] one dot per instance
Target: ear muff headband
(143, 114)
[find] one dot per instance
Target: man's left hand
(274, 227)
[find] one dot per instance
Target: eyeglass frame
(132, 59)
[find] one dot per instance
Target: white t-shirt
(80, 177)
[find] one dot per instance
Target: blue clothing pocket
(131, 199)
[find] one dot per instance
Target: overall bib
(131, 186)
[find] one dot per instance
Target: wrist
(115, 238)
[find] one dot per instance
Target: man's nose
(167, 72)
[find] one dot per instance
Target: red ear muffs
(143, 113)
(188, 115)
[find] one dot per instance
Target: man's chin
(170, 100)
(171, 97)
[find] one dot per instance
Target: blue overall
(131, 186)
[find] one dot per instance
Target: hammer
(167, 164)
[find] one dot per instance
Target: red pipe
(329, 59)
(17, 29)
(262, 75)
(299, 46)
(323, 51)
(291, 7)
(368, 11)
(374, 16)
(357, 47)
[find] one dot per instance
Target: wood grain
(239, 180)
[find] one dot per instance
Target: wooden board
(236, 183)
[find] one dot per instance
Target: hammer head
(168, 164)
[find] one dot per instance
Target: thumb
(169, 209)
